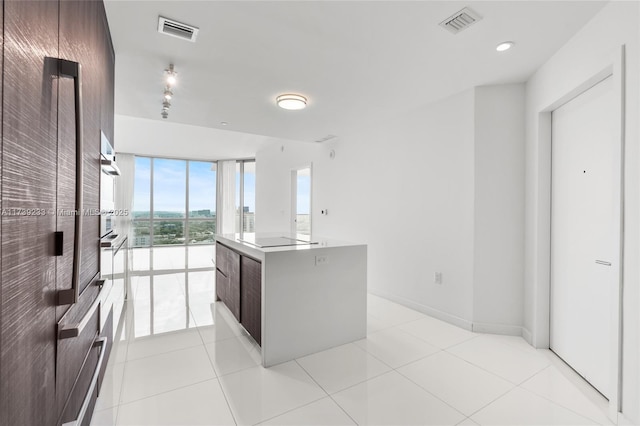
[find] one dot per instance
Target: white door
(585, 233)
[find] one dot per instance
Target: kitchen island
(293, 297)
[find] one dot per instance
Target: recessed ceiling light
(224, 123)
(506, 45)
(291, 101)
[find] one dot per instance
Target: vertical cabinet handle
(70, 69)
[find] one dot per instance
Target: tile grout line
(191, 346)
(491, 372)
(128, 326)
(427, 356)
(555, 402)
(325, 391)
(432, 394)
(164, 392)
(224, 394)
(330, 395)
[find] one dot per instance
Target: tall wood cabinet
(45, 378)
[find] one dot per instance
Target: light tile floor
(183, 360)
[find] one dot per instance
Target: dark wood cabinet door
(251, 297)
(108, 78)
(77, 361)
(228, 264)
(27, 307)
(80, 41)
(221, 276)
(221, 286)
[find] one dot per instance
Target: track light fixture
(170, 81)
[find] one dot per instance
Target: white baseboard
(527, 336)
(451, 319)
(509, 330)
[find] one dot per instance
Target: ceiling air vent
(460, 20)
(177, 29)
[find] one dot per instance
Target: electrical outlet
(437, 278)
(322, 260)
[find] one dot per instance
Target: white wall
(588, 52)
(409, 188)
(499, 208)
(405, 188)
(273, 188)
(157, 138)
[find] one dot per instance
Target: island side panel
(308, 308)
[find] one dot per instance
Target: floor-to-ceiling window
(174, 224)
(245, 199)
(174, 202)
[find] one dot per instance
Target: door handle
(603, 262)
(74, 330)
(70, 69)
(223, 274)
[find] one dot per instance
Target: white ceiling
(358, 62)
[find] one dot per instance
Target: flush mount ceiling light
(505, 45)
(170, 79)
(291, 101)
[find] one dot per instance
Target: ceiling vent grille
(177, 29)
(460, 20)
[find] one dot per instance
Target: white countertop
(250, 243)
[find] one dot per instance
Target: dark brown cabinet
(251, 297)
(239, 287)
(228, 277)
(29, 156)
(45, 378)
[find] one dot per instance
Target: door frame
(541, 333)
(294, 198)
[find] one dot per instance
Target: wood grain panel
(27, 336)
(107, 332)
(1, 61)
(222, 258)
(71, 352)
(75, 361)
(222, 269)
(228, 262)
(108, 69)
(251, 297)
(82, 40)
(80, 26)
(221, 286)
